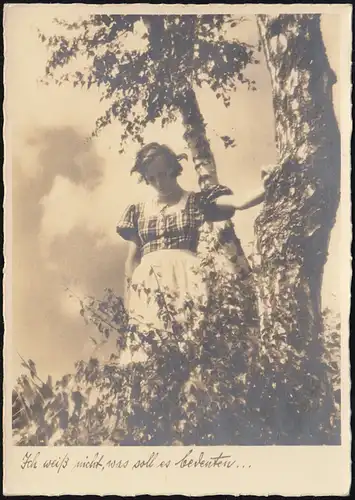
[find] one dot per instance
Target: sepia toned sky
(68, 194)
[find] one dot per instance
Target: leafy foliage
(194, 382)
(143, 65)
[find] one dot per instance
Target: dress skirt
(162, 284)
(173, 275)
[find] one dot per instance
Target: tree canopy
(143, 77)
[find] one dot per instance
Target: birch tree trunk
(219, 236)
(293, 229)
(221, 233)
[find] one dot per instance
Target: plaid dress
(168, 243)
(178, 230)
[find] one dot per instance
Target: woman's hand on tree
(266, 172)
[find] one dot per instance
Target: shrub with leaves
(202, 380)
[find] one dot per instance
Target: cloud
(52, 207)
(63, 209)
(64, 151)
(82, 258)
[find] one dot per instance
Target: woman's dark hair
(151, 151)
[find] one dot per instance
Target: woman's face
(160, 176)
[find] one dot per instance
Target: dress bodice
(176, 229)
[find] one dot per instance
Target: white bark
(302, 197)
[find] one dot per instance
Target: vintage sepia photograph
(177, 226)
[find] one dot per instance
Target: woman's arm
(225, 207)
(132, 261)
(252, 201)
(232, 203)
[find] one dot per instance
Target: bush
(205, 380)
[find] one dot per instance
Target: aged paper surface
(64, 195)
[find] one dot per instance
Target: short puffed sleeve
(207, 198)
(127, 227)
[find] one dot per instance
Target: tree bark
(293, 229)
(223, 233)
(195, 136)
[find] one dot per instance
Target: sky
(68, 194)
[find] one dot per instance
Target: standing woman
(163, 235)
